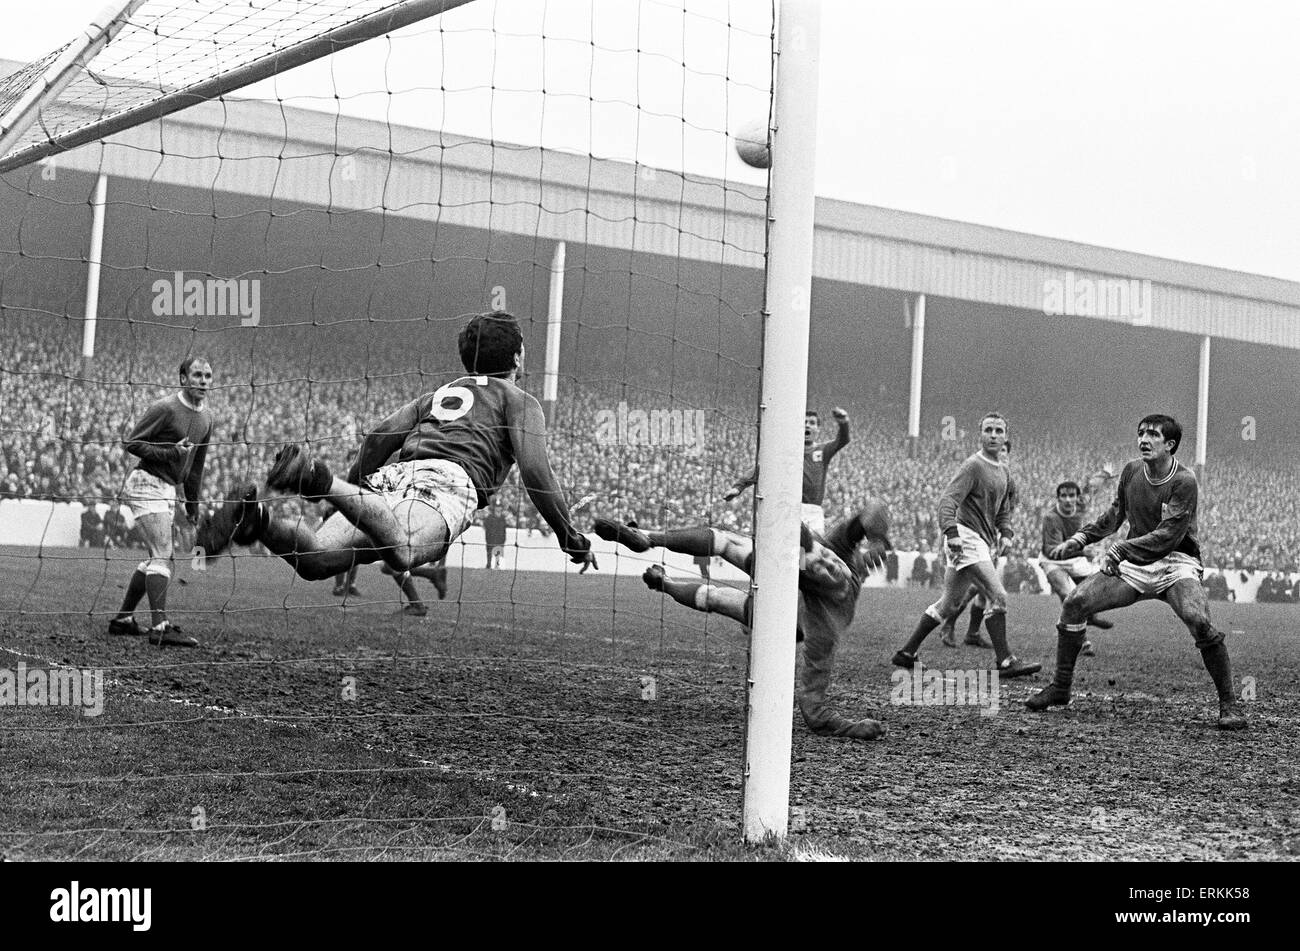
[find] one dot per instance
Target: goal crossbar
(77, 57)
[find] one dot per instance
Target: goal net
(315, 197)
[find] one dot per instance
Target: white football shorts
(442, 487)
(1159, 576)
(146, 494)
(1077, 568)
(973, 549)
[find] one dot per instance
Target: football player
(455, 446)
(1160, 558)
(832, 569)
(816, 461)
(975, 517)
(171, 443)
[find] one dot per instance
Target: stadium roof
(302, 156)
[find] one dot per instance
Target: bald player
(975, 518)
(171, 443)
(832, 569)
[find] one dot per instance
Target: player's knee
(1074, 608)
(314, 568)
(155, 566)
(935, 612)
(1206, 635)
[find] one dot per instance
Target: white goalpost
(663, 290)
(780, 466)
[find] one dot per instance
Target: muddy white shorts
(1077, 568)
(1159, 576)
(146, 494)
(441, 486)
(973, 549)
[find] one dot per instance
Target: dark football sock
(687, 541)
(135, 589)
(156, 587)
(1220, 668)
(996, 622)
(976, 619)
(922, 631)
(1068, 645)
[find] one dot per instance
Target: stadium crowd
(62, 441)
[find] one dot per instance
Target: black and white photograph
(653, 431)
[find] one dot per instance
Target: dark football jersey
(466, 422)
(1057, 527)
(1161, 516)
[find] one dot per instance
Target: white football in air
(751, 144)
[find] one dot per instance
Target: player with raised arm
(171, 441)
(1061, 521)
(1160, 558)
(455, 446)
(831, 572)
(975, 518)
(816, 461)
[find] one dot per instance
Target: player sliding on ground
(831, 572)
(1161, 558)
(456, 446)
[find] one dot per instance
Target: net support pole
(1203, 405)
(94, 259)
(554, 314)
(766, 810)
(101, 30)
(918, 360)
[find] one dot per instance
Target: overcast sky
(1169, 128)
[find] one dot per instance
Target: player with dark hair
(455, 447)
(171, 441)
(1160, 558)
(975, 517)
(831, 572)
(816, 461)
(1060, 522)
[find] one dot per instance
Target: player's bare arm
(527, 424)
(831, 447)
(383, 439)
(741, 484)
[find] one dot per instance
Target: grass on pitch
(510, 724)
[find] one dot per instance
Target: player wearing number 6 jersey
(454, 448)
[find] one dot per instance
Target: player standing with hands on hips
(171, 441)
(816, 460)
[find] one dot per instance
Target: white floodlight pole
(554, 315)
(775, 583)
(918, 361)
(94, 259)
(1203, 405)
